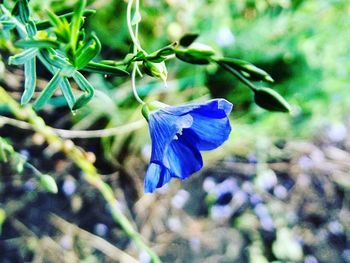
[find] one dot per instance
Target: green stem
(78, 157)
(129, 23)
(239, 76)
(133, 84)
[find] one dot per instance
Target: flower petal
(183, 158)
(208, 133)
(216, 108)
(163, 128)
(156, 176)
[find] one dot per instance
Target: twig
(95, 241)
(78, 156)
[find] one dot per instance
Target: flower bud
(270, 100)
(157, 70)
(48, 183)
(189, 58)
(200, 50)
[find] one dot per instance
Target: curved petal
(163, 128)
(208, 133)
(156, 176)
(183, 158)
(216, 108)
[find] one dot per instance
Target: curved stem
(133, 84)
(131, 32)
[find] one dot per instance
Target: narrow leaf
(104, 69)
(23, 57)
(64, 84)
(67, 92)
(32, 43)
(30, 80)
(188, 39)
(47, 93)
(23, 11)
(31, 28)
(86, 87)
(75, 24)
(7, 25)
(52, 57)
(87, 52)
(45, 24)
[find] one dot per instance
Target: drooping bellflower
(179, 134)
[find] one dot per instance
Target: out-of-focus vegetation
(277, 190)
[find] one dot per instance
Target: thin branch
(96, 242)
(81, 134)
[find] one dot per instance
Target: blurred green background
(276, 191)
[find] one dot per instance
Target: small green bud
(48, 183)
(157, 70)
(200, 50)
(183, 55)
(152, 106)
(270, 100)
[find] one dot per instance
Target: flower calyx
(152, 106)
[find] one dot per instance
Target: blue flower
(178, 135)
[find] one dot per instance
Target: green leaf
(58, 61)
(30, 80)
(15, 9)
(270, 100)
(45, 24)
(7, 25)
(67, 92)
(188, 39)
(161, 54)
(64, 84)
(247, 69)
(75, 24)
(167, 50)
(49, 90)
(104, 69)
(32, 43)
(23, 57)
(23, 11)
(31, 28)
(86, 87)
(87, 52)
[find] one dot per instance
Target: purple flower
(179, 134)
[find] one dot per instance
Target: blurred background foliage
(304, 46)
